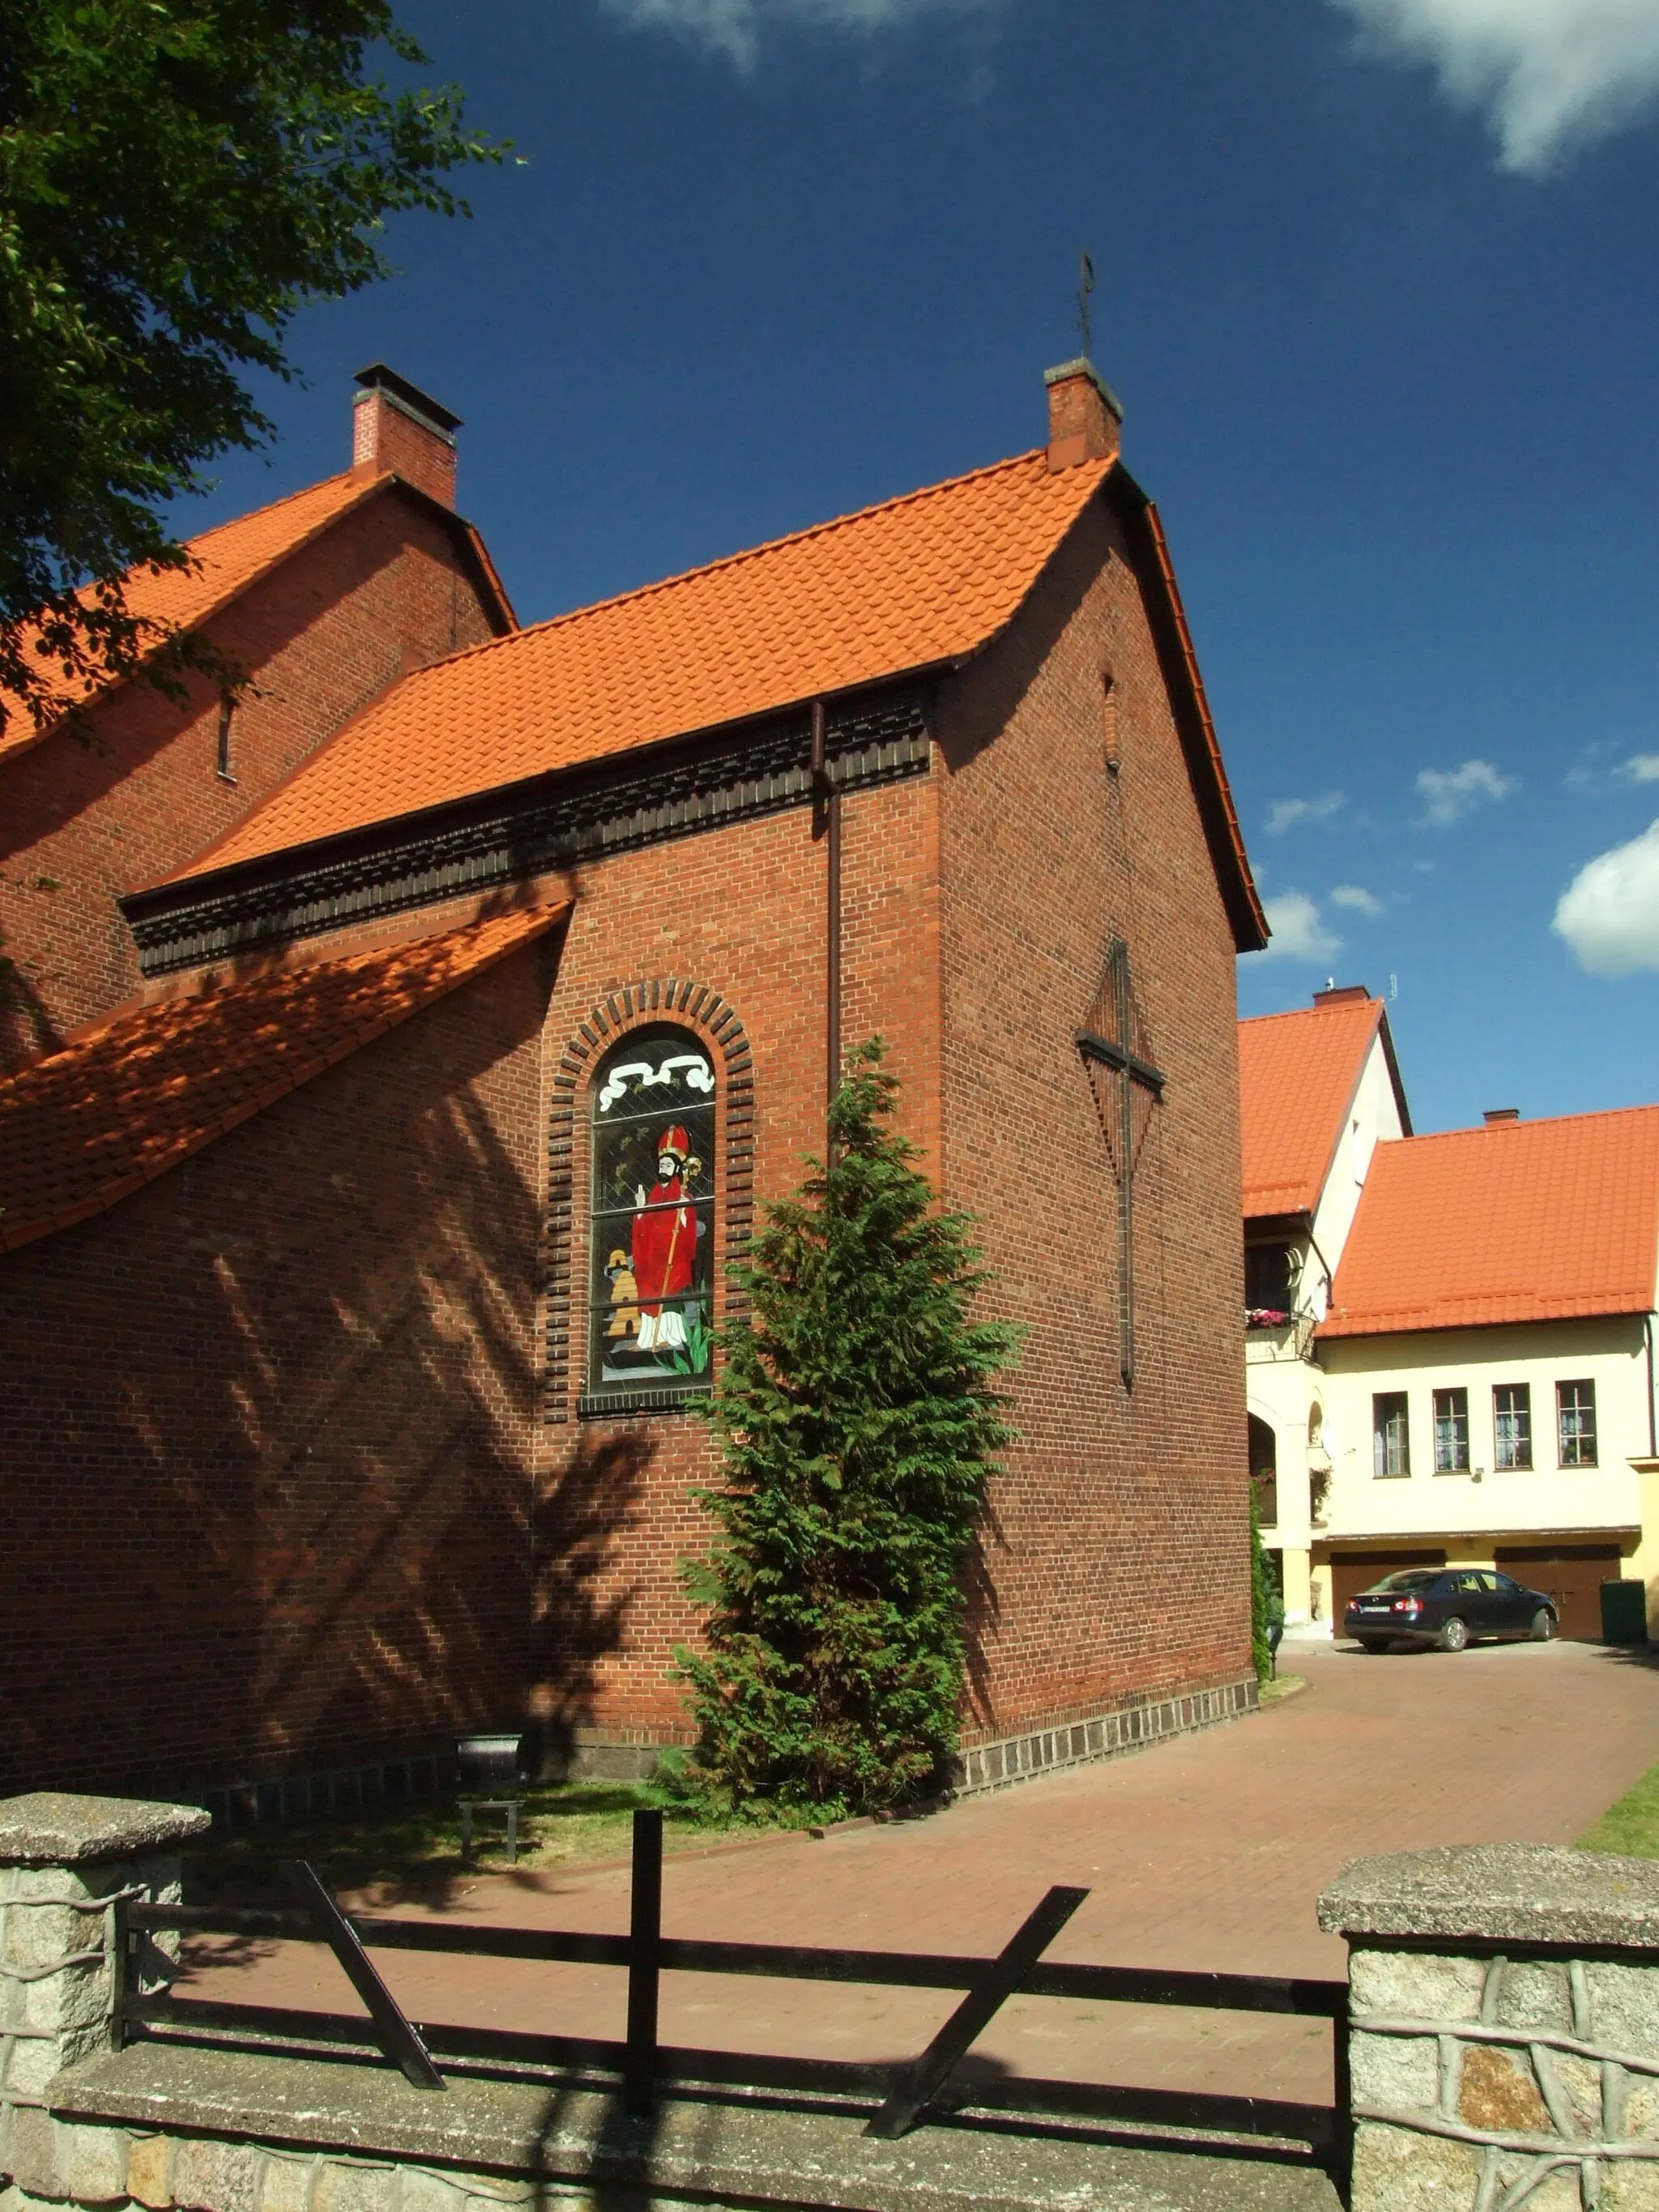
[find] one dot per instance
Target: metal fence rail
(934, 2084)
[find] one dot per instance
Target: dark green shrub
(857, 1421)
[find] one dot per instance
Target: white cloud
(1448, 793)
(1297, 931)
(1547, 74)
(1356, 900)
(737, 27)
(1609, 913)
(1643, 767)
(1285, 813)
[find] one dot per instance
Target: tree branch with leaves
(178, 178)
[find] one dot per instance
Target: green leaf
(178, 179)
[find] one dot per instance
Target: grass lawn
(414, 1851)
(1631, 1827)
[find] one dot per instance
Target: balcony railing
(1290, 1333)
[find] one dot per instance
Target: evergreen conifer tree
(1265, 1604)
(857, 1419)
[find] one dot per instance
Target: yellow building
(1465, 1371)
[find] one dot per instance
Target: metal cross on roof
(1110, 1042)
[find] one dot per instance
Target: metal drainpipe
(826, 809)
(1330, 1279)
(1647, 1339)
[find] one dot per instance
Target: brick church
(400, 1049)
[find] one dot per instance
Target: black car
(1448, 1607)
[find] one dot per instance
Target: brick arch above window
(635, 1005)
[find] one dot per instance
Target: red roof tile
(1298, 1074)
(928, 578)
(229, 559)
(1523, 1221)
(126, 1101)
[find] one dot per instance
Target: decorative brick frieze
(551, 822)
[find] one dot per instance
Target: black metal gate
(894, 2098)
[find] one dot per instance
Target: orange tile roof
(1525, 1221)
(128, 1100)
(229, 558)
(928, 578)
(1298, 1073)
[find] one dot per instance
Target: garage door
(1353, 1571)
(1570, 1574)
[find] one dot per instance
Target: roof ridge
(1540, 1121)
(725, 561)
(1303, 1013)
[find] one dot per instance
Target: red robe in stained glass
(665, 1251)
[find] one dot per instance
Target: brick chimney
(1342, 995)
(395, 425)
(1497, 1117)
(1084, 416)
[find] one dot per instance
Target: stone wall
(98, 2163)
(65, 1864)
(170, 2126)
(376, 2145)
(1504, 2039)
(1504, 2052)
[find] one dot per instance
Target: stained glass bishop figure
(1126, 1086)
(653, 1217)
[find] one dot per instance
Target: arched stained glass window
(651, 1290)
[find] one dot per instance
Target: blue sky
(1376, 284)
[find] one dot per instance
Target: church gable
(684, 707)
(1091, 911)
(321, 601)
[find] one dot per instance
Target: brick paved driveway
(1205, 1852)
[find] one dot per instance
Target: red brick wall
(1115, 1563)
(137, 793)
(270, 1428)
(978, 906)
(242, 1410)
(742, 913)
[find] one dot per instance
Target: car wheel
(1372, 1642)
(1454, 1635)
(1543, 1625)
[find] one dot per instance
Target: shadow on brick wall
(581, 1608)
(270, 1429)
(27, 1030)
